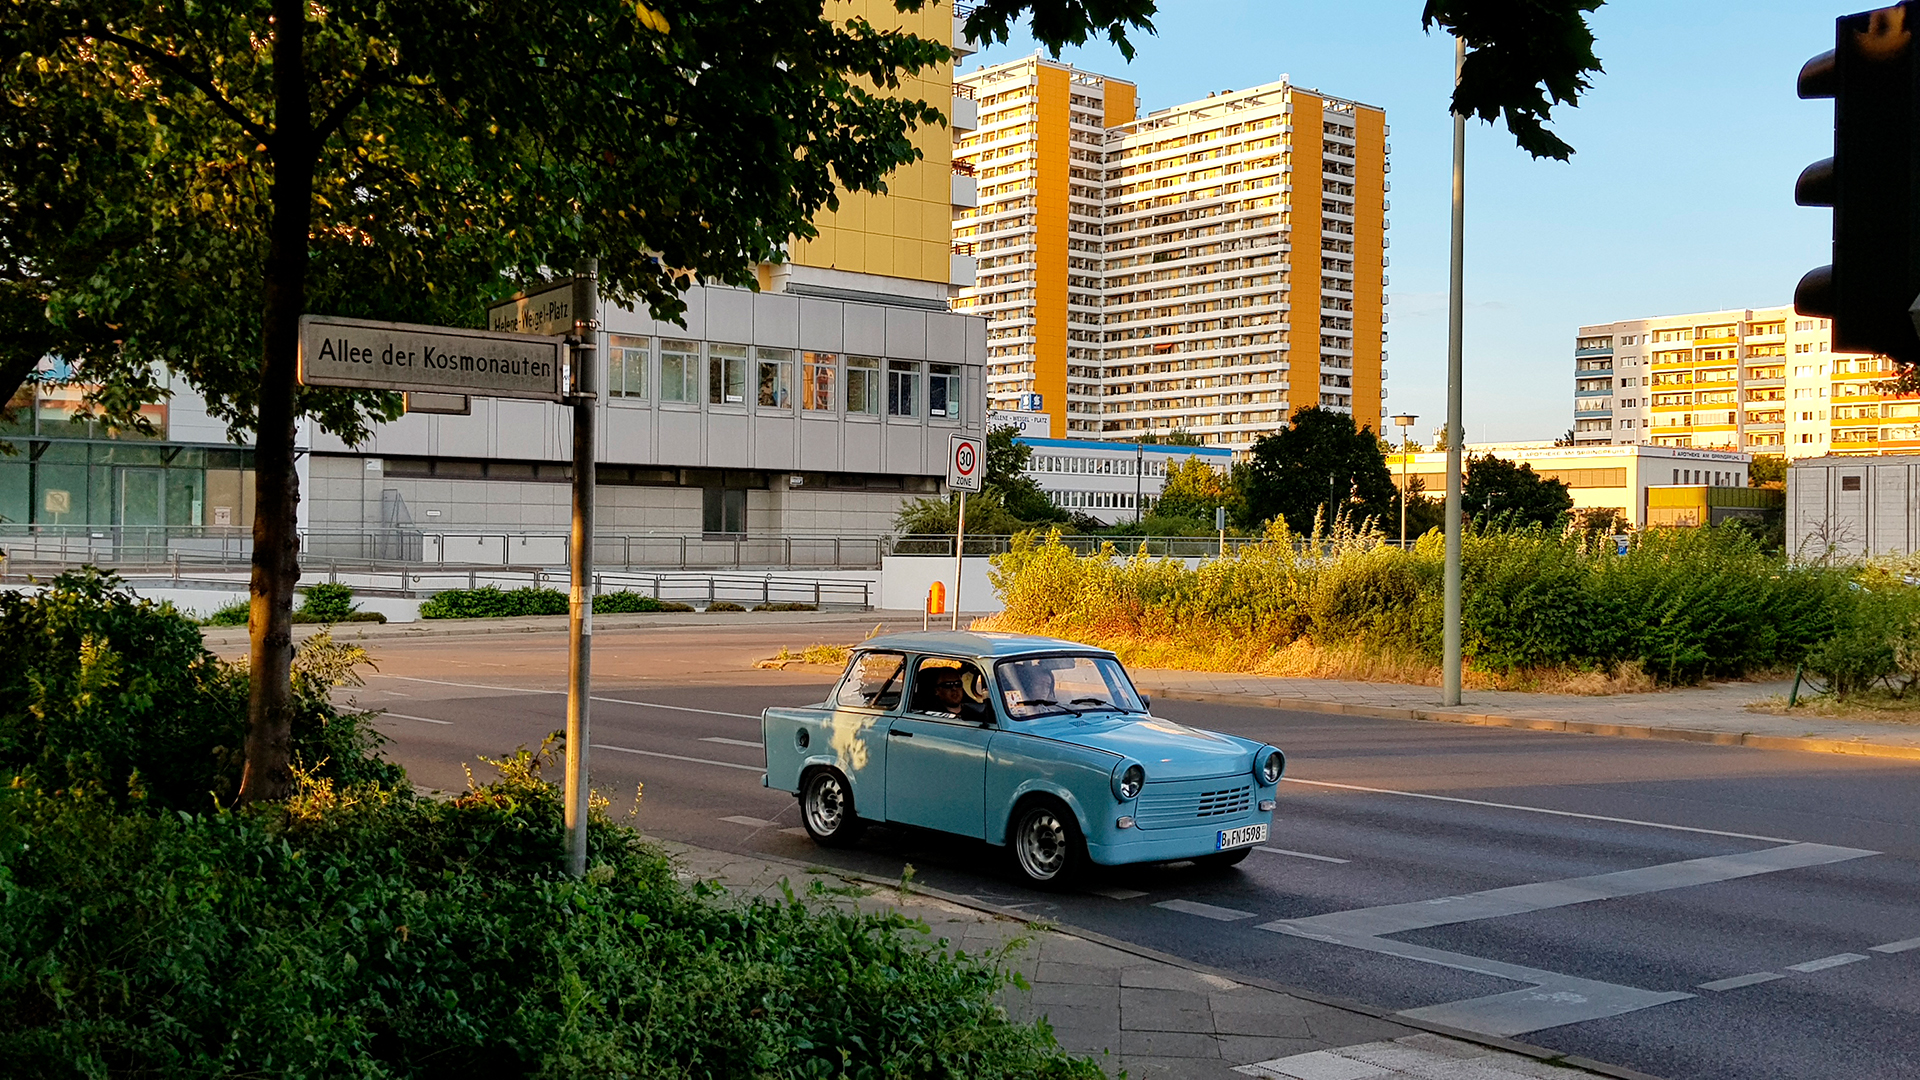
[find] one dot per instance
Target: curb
(554, 624)
(1857, 747)
(1538, 1053)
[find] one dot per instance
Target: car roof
(970, 643)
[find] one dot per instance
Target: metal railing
(232, 548)
(1178, 547)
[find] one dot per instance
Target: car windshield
(1048, 685)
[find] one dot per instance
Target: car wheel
(826, 810)
(1224, 859)
(1047, 846)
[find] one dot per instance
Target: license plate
(1240, 837)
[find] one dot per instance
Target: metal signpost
(439, 367)
(966, 466)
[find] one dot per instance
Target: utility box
(1849, 507)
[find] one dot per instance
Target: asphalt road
(1684, 910)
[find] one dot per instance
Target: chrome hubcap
(826, 805)
(1042, 845)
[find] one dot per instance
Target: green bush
(327, 602)
(626, 602)
(724, 605)
(1685, 604)
(372, 934)
(1875, 641)
(105, 691)
(786, 606)
(351, 616)
(234, 614)
(492, 602)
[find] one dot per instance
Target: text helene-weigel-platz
(428, 359)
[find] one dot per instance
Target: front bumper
(1119, 847)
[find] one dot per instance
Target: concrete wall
(904, 580)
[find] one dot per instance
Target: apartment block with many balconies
(1763, 380)
(1208, 268)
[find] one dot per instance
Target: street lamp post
(1404, 421)
(1450, 662)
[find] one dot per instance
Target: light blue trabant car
(1039, 745)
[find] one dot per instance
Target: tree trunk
(276, 544)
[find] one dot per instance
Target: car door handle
(896, 733)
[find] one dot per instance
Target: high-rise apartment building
(1208, 268)
(1764, 380)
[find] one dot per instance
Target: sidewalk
(1159, 1017)
(1710, 714)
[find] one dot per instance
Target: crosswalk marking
(1826, 962)
(1739, 981)
(1205, 911)
(755, 743)
(1301, 854)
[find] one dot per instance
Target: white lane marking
(1205, 911)
(1538, 810)
(422, 719)
(796, 831)
(1739, 981)
(741, 819)
(1300, 854)
(1118, 894)
(1540, 896)
(1897, 946)
(678, 757)
(755, 743)
(1826, 962)
(563, 693)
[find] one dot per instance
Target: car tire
(1047, 847)
(1223, 860)
(826, 810)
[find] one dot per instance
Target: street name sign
(410, 358)
(547, 313)
(966, 463)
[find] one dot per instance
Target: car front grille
(1172, 805)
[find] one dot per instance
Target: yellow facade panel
(1050, 259)
(1369, 277)
(1120, 103)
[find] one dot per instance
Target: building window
(863, 385)
(727, 374)
(776, 379)
(816, 383)
(627, 366)
(679, 370)
(943, 391)
(903, 385)
(723, 510)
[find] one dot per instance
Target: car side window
(872, 681)
(945, 687)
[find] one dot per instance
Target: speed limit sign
(966, 463)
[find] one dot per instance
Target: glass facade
(71, 472)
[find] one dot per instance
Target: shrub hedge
(1686, 604)
(491, 602)
(358, 930)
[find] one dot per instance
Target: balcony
(965, 190)
(962, 270)
(1604, 351)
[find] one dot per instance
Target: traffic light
(1871, 181)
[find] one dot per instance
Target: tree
(1424, 512)
(1767, 471)
(1321, 461)
(1499, 492)
(1175, 437)
(1194, 489)
(183, 182)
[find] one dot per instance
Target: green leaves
(1523, 58)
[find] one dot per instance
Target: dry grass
(1303, 658)
(1873, 706)
(817, 653)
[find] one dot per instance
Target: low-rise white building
(1851, 506)
(1111, 482)
(1598, 477)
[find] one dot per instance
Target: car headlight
(1268, 764)
(1128, 781)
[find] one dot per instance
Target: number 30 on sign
(966, 463)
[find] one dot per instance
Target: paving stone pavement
(1716, 713)
(1152, 1019)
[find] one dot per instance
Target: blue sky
(1679, 198)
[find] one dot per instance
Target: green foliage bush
(234, 614)
(627, 602)
(328, 602)
(1876, 641)
(786, 606)
(724, 605)
(1686, 604)
(493, 602)
(368, 933)
(107, 692)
